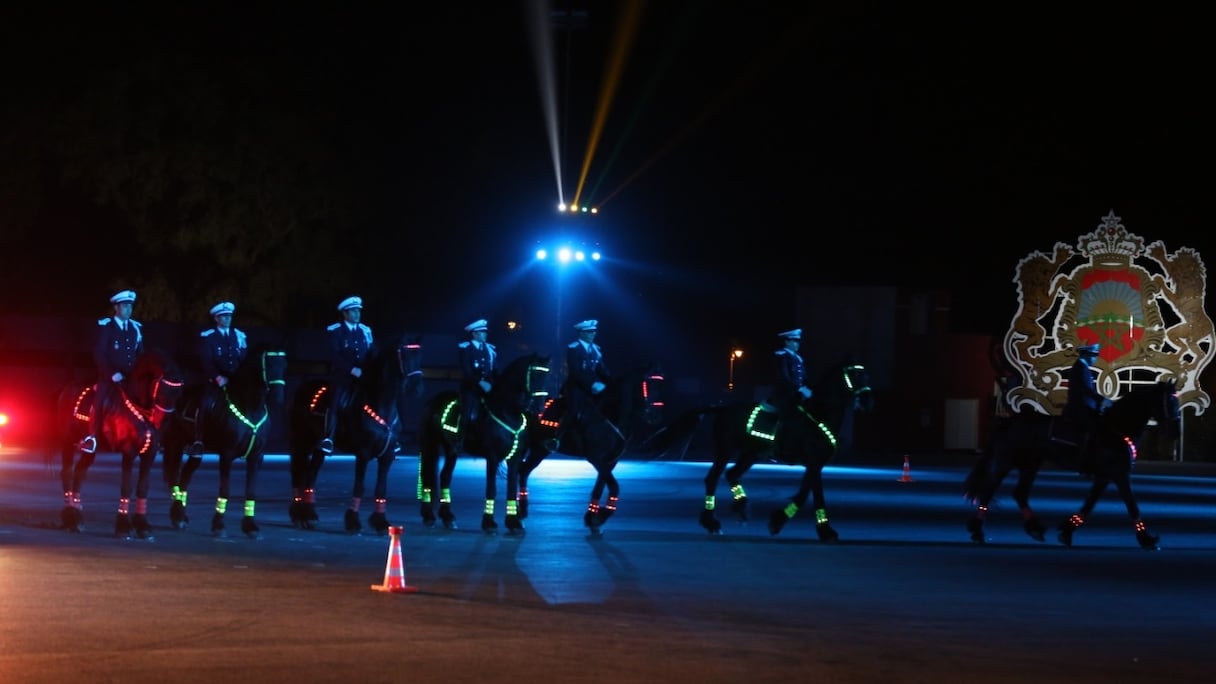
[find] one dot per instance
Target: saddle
(1066, 432)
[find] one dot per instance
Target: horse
(743, 433)
(630, 404)
(498, 434)
(130, 426)
(235, 426)
(369, 427)
(1024, 441)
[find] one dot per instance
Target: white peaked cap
(223, 308)
(479, 324)
(351, 303)
(124, 296)
(584, 326)
(795, 334)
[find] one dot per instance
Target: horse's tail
(676, 433)
(978, 478)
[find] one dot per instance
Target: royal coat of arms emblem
(1142, 304)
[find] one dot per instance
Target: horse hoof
(776, 521)
(976, 527)
(710, 522)
(71, 519)
(739, 509)
(446, 515)
(826, 534)
(604, 514)
(217, 526)
(515, 525)
(379, 523)
(177, 516)
(351, 522)
(141, 526)
(1148, 541)
(249, 527)
(1036, 529)
(122, 525)
(591, 521)
(523, 505)
(488, 525)
(1064, 535)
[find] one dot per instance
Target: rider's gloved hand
(484, 385)
(805, 392)
(221, 380)
(117, 377)
(597, 387)
(357, 372)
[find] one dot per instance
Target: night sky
(402, 151)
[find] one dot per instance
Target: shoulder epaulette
(240, 336)
(136, 324)
(464, 345)
(365, 328)
(103, 321)
(782, 351)
(596, 347)
(491, 347)
(572, 345)
(334, 326)
(206, 332)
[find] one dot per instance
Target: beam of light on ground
(538, 20)
(625, 33)
(797, 32)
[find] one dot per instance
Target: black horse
(630, 405)
(235, 425)
(131, 426)
(1024, 441)
(498, 434)
(369, 427)
(743, 433)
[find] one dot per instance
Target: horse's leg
(487, 515)
(379, 518)
(515, 523)
(810, 484)
(1021, 496)
(314, 459)
(221, 501)
(73, 475)
(122, 520)
(139, 521)
(253, 466)
(535, 456)
(734, 480)
(605, 478)
(709, 520)
(351, 519)
(1069, 526)
(1146, 539)
(428, 457)
(450, 457)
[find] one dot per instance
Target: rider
(119, 342)
(477, 358)
(586, 376)
(1085, 403)
(349, 342)
(222, 348)
(790, 388)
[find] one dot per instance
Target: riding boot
(326, 445)
(195, 449)
(88, 445)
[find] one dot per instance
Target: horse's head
(846, 386)
(521, 385)
(409, 357)
(273, 364)
(155, 385)
(641, 395)
(1157, 402)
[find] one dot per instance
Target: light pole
(735, 354)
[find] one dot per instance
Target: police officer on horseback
(477, 374)
(222, 349)
(349, 343)
(790, 389)
(1085, 404)
(586, 378)
(119, 342)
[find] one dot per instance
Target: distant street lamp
(735, 354)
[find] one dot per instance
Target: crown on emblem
(1111, 241)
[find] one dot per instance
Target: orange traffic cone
(394, 570)
(907, 476)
